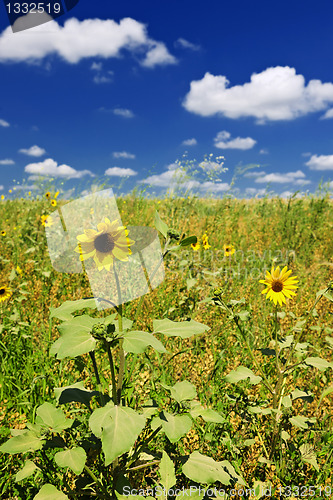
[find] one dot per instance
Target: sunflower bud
(99, 331)
(173, 234)
(218, 291)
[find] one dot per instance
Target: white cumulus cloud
(33, 151)
(185, 44)
(77, 40)
(50, 168)
(120, 172)
(327, 115)
(123, 154)
(297, 177)
(7, 161)
(277, 93)
(3, 123)
(125, 113)
(223, 141)
(320, 162)
(190, 142)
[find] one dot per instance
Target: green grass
(297, 233)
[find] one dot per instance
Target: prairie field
(276, 444)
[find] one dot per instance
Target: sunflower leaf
(160, 225)
(242, 373)
(66, 310)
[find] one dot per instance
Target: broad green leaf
(329, 340)
(50, 416)
(27, 441)
(319, 363)
(302, 422)
(202, 469)
(243, 315)
(118, 427)
(286, 401)
(50, 492)
(190, 283)
(242, 373)
(175, 426)
(329, 296)
(160, 225)
(137, 341)
(197, 410)
(78, 324)
(66, 310)
(183, 329)
(167, 472)
(76, 339)
(74, 393)
(75, 459)
(27, 470)
(258, 410)
(190, 240)
(286, 342)
(325, 393)
(297, 393)
(308, 455)
(183, 391)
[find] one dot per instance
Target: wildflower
(195, 246)
(9, 191)
(29, 193)
(110, 241)
(279, 285)
(54, 203)
(48, 195)
(47, 220)
(5, 293)
(229, 250)
(19, 270)
(2, 196)
(56, 195)
(205, 243)
(3, 233)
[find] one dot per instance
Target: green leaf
(74, 393)
(183, 391)
(197, 410)
(50, 416)
(160, 225)
(202, 469)
(258, 410)
(325, 393)
(183, 329)
(50, 492)
(167, 472)
(190, 283)
(66, 310)
(319, 363)
(308, 455)
(175, 426)
(118, 427)
(190, 240)
(302, 422)
(242, 373)
(76, 338)
(27, 470)
(75, 459)
(297, 393)
(286, 342)
(27, 441)
(286, 401)
(137, 341)
(329, 340)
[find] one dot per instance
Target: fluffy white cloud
(276, 93)
(327, 115)
(7, 161)
(297, 177)
(264, 151)
(33, 151)
(255, 192)
(81, 39)
(321, 162)
(103, 78)
(185, 44)
(190, 142)
(125, 113)
(120, 172)
(123, 154)
(223, 141)
(3, 123)
(50, 168)
(1, 187)
(254, 173)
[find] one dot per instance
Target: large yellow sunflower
(279, 285)
(5, 293)
(110, 241)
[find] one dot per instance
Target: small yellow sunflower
(47, 220)
(48, 195)
(5, 293)
(56, 195)
(54, 203)
(279, 285)
(205, 243)
(195, 246)
(19, 270)
(229, 250)
(2, 197)
(3, 233)
(110, 241)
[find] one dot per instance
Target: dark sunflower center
(2, 291)
(104, 243)
(227, 249)
(277, 286)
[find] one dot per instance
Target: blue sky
(120, 91)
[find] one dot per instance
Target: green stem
(113, 377)
(121, 356)
(98, 483)
(98, 380)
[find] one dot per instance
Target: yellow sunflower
(48, 195)
(3, 233)
(110, 241)
(279, 285)
(47, 220)
(229, 250)
(195, 246)
(54, 203)
(5, 293)
(205, 243)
